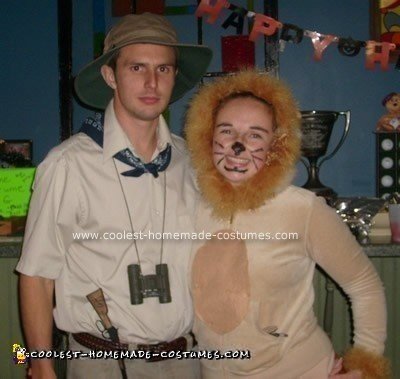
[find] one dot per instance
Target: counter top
(10, 247)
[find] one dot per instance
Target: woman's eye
(225, 131)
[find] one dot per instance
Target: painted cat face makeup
(243, 134)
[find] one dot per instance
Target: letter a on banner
(213, 10)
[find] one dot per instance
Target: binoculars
(141, 286)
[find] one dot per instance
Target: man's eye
(135, 68)
(164, 69)
(255, 136)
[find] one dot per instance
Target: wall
(29, 92)
(29, 73)
(339, 83)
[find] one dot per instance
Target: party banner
(376, 53)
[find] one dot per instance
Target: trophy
(316, 127)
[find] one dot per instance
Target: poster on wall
(385, 22)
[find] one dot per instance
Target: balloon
(263, 25)
(378, 52)
(213, 11)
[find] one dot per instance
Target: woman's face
(243, 134)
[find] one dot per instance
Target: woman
(252, 286)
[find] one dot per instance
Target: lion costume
(257, 293)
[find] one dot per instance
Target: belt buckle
(151, 349)
(156, 349)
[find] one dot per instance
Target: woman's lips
(236, 162)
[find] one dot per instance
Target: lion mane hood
(276, 175)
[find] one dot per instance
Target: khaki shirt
(77, 190)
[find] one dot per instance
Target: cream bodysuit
(252, 288)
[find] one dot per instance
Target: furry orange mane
(276, 175)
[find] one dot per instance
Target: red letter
(263, 25)
(372, 55)
(213, 11)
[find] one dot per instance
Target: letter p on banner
(263, 25)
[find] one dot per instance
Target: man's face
(243, 135)
(142, 81)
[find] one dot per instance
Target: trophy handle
(305, 163)
(346, 114)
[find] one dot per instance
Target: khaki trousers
(136, 369)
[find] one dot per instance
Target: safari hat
(193, 60)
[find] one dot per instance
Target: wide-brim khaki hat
(192, 63)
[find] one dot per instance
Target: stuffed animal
(390, 122)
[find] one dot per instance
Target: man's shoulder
(73, 148)
(180, 144)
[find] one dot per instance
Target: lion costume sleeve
(345, 262)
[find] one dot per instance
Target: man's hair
(112, 62)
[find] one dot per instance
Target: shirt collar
(116, 140)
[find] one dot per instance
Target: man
(99, 201)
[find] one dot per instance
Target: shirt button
(157, 213)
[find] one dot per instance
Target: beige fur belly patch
(220, 283)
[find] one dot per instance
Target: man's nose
(238, 147)
(151, 79)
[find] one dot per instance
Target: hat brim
(93, 91)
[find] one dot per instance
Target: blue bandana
(93, 127)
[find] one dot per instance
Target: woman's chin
(236, 177)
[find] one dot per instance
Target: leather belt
(96, 343)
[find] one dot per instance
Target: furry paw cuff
(371, 365)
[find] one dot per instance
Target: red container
(121, 7)
(237, 52)
(153, 6)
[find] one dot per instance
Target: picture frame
(23, 147)
(385, 23)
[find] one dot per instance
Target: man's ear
(108, 75)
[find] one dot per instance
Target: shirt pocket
(257, 334)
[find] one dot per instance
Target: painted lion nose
(238, 147)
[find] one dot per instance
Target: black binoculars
(141, 286)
